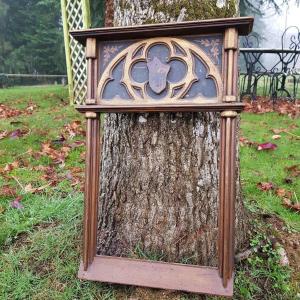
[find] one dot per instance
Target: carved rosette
(186, 74)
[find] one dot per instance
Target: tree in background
(97, 12)
(31, 37)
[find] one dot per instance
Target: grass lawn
(270, 166)
(40, 243)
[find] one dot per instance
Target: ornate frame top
(242, 24)
(187, 66)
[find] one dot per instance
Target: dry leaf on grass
(3, 134)
(264, 105)
(265, 186)
(266, 146)
(9, 167)
(73, 129)
(289, 204)
(294, 170)
(276, 137)
(58, 156)
(8, 191)
(9, 112)
(18, 133)
(16, 203)
(32, 190)
(77, 144)
(283, 193)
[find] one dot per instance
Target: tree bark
(159, 182)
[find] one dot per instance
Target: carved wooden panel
(168, 70)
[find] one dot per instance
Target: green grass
(44, 125)
(40, 244)
(269, 166)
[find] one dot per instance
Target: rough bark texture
(159, 182)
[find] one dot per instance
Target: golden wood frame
(191, 278)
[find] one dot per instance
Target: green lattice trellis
(75, 15)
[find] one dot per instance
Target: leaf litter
(57, 150)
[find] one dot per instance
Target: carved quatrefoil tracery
(156, 85)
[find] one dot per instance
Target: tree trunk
(159, 182)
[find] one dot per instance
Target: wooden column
(92, 170)
(227, 195)
(91, 56)
(227, 178)
(230, 65)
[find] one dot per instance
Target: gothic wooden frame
(191, 278)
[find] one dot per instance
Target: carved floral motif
(108, 51)
(214, 47)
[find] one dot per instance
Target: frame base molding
(161, 275)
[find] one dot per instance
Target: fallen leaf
(283, 257)
(8, 191)
(69, 175)
(18, 133)
(276, 137)
(3, 134)
(10, 167)
(30, 107)
(245, 142)
(288, 203)
(294, 170)
(77, 144)
(49, 174)
(283, 193)
(73, 129)
(2, 209)
(29, 189)
(265, 186)
(75, 176)
(264, 105)
(266, 146)
(82, 155)
(16, 203)
(8, 112)
(277, 131)
(58, 156)
(32, 190)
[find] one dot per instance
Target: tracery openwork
(163, 70)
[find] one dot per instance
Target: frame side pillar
(231, 61)
(92, 171)
(227, 159)
(91, 189)
(227, 177)
(91, 56)
(227, 194)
